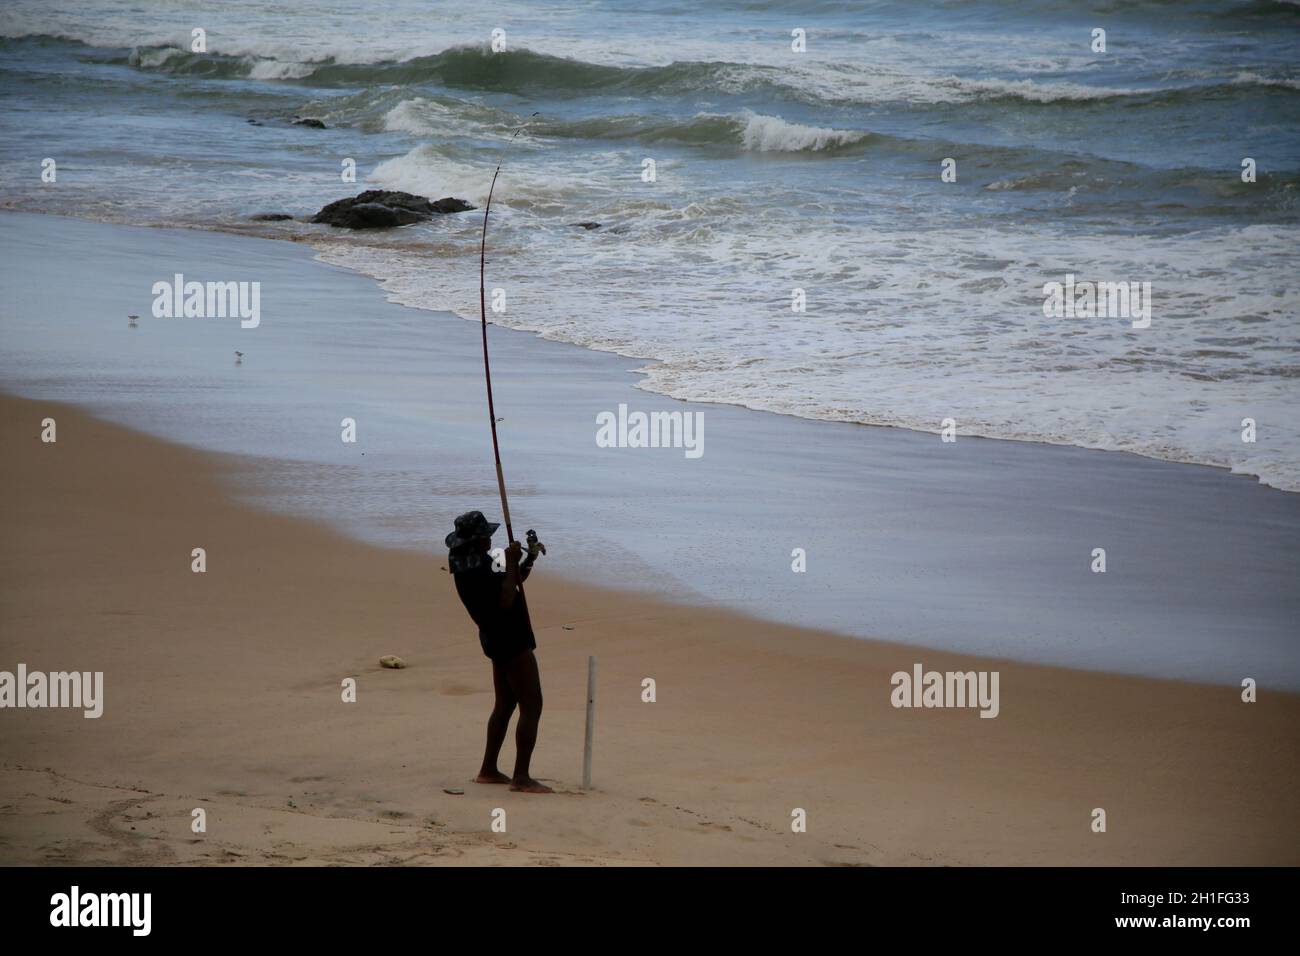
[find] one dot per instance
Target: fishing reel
(535, 547)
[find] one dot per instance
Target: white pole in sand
(591, 720)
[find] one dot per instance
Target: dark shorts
(504, 648)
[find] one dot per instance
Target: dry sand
(222, 691)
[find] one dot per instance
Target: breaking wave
(528, 73)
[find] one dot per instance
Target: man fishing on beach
(496, 604)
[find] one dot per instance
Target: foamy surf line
(902, 381)
(982, 547)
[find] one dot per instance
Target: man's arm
(516, 573)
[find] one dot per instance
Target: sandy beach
(222, 691)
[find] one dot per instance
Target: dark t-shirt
(503, 633)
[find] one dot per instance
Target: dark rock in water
(382, 208)
(271, 217)
(308, 121)
(255, 122)
(587, 225)
(373, 215)
(450, 204)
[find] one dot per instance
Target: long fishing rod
(487, 366)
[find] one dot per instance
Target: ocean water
(775, 170)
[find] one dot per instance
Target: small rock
(449, 204)
(587, 225)
(374, 215)
(382, 208)
(309, 121)
(567, 627)
(271, 217)
(393, 661)
(454, 791)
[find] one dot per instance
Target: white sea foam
(270, 69)
(1259, 80)
(425, 170)
(907, 340)
(773, 134)
(415, 116)
(154, 58)
(1037, 92)
(425, 116)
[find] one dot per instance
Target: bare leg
(527, 686)
(497, 726)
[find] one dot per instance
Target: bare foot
(529, 785)
(496, 776)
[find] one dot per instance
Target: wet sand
(981, 547)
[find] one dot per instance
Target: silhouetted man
(492, 598)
